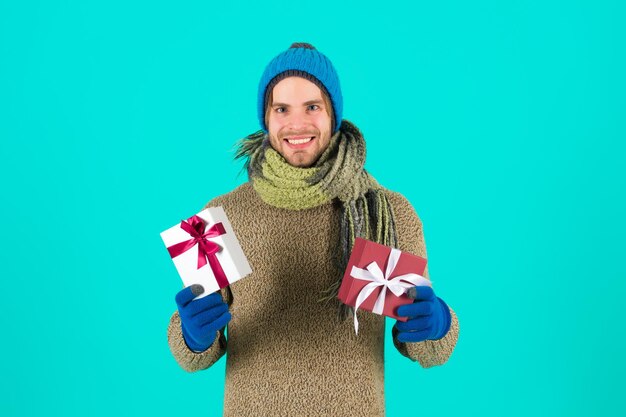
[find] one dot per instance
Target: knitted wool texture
(338, 174)
(286, 354)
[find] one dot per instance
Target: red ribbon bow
(196, 226)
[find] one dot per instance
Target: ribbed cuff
(191, 344)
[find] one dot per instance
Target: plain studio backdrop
(501, 122)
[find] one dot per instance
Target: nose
(297, 119)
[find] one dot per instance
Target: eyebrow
(306, 103)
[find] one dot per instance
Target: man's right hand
(201, 319)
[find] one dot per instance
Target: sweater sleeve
(410, 233)
(188, 359)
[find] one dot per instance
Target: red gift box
(377, 278)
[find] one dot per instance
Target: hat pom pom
(302, 45)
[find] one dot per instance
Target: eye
(313, 105)
(278, 109)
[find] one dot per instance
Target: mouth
(299, 142)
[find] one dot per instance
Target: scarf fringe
(247, 147)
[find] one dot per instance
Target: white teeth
(299, 141)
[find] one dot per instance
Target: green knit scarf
(338, 174)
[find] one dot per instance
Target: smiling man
(290, 348)
(299, 117)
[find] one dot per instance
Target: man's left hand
(428, 317)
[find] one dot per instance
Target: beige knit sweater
(287, 354)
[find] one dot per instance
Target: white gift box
(230, 255)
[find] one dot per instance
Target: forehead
(295, 89)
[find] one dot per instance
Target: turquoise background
(502, 123)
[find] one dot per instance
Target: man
(291, 350)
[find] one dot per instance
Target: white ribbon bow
(374, 274)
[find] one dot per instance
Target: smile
(299, 142)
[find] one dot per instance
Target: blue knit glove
(429, 317)
(201, 319)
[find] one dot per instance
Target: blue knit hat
(302, 60)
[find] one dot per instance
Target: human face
(299, 121)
